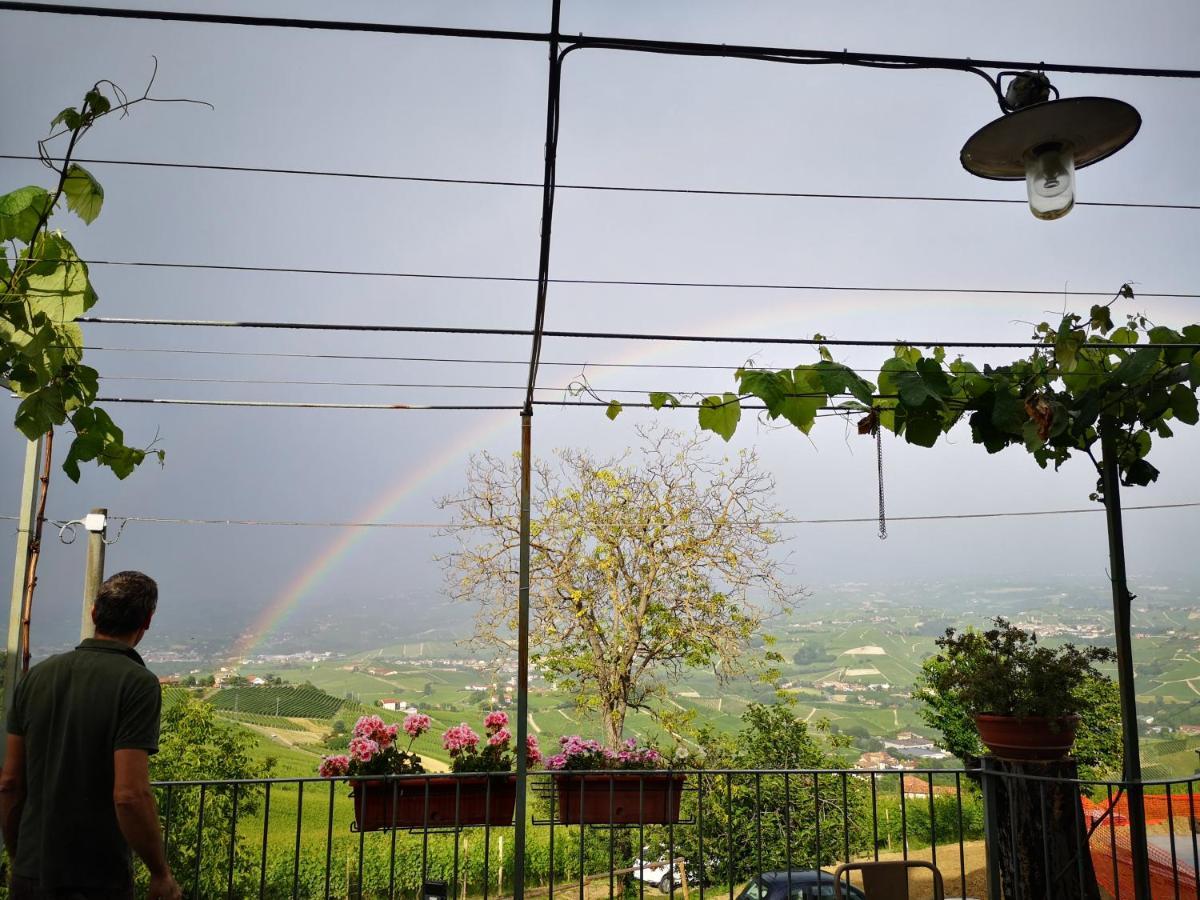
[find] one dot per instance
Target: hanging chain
(879, 458)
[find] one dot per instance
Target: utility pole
(1132, 769)
(25, 525)
(96, 524)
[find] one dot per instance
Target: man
(75, 791)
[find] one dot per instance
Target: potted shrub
(598, 785)
(482, 792)
(1023, 696)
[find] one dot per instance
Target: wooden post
(96, 526)
(1041, 842)
(683, 877)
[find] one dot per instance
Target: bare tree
(641, 565)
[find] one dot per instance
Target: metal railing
(611, 834)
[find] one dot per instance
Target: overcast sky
(455, 108)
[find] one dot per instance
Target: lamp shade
(1094, 128)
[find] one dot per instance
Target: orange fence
(1174, 845)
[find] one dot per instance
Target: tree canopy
(641, 565)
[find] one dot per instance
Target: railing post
(991, 827)
(522, 660)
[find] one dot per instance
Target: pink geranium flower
(416, 725)
(495, 720)
(533, 753)
(460, 739)
(363, 749)
(500, 738)
(332, 766)
(369, 727)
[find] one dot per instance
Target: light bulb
(1050, 180)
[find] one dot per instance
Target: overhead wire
(610, 188)
(453, 526)
(360, 357)
(626, 282)
(175, 379)
(600, 335)
(843, 57)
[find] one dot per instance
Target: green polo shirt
(74, 710)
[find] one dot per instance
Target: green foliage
(44, 288)
(720, 414)
(1083, 376)
(1004, 671)
(798, 817)
(810, 653)
(639, 571)
(195, 746)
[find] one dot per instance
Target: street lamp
(1044, 141)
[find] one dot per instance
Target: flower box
(618, 798)
(434, 802)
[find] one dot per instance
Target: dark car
(798, 884)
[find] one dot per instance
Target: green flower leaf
(20, 212)
(922, 429)
(721, 414)
(69, 117)
(84, 194)
(1067, 345)
(1183, 404)
(59, 286)
(659, 399)
(614, 409)
(1137, 365)
(1101, 319)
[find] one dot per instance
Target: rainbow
(276, 612)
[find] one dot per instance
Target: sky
(454, 108)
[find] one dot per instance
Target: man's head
(124, 606)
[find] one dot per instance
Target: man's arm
(137, 816)
(12, 792)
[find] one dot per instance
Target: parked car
(662, 874)
(798, 884)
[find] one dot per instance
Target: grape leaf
(721, 414)
(20, 212)
(84, 194)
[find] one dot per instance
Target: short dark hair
(124, 603)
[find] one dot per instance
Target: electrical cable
(451, 526)
(603, 335)
(264, 354)
(625, 282)
(613, 188)
(173, 379)
(842, 57)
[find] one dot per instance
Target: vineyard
(301, 702)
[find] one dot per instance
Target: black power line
(623, 282)
(614, 188)
(842, 57)
(604, 335)
(359, 357)
(452, 526)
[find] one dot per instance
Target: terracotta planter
(1032, 739)
(434, 802)
(614, 798)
